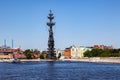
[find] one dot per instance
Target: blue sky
(78, 22)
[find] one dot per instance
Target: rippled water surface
(59, 71)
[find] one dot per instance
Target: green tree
(46, 56)
(36, 51)
(103, 53)
(41, 56)
(59, 55)
(87, 54)
(28, 54)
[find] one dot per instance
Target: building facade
(60, 52)
(8, 52)
(102, 47)
(75, 52)
(83, 49)
(67, 53)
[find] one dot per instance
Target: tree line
(33, 54)
(102, 53)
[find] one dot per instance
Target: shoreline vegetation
(102, 53)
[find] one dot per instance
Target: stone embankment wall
(98, 59)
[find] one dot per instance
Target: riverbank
(98, 59)
(93, 59)
(34, 60)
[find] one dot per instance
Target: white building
(75, 52)
(84, 49)
(78, 52)
(58, 51)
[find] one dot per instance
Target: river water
(59, 70)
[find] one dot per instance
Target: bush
(41, 56)
(28, 54)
